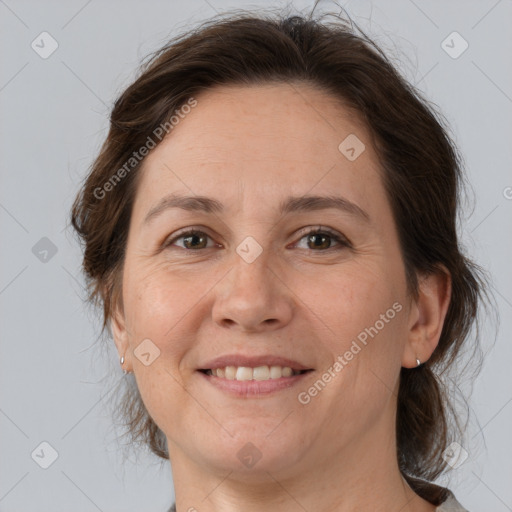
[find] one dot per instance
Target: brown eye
(317, 240)
(321, 239)
(192, 240)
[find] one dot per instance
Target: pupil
(193, 237)
(324, 238)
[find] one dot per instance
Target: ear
(120, 331)
(426, 316)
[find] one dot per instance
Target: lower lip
(253, 388)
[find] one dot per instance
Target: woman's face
(253, 284)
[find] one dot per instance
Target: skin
(249, 148)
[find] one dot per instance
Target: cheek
(165, 305)
(347, 300)
(152, 296)
(359, 320)
(158, 307)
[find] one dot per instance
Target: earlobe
(119, 332)
(427, 315)
(112, 291)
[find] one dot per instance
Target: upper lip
(252, 362)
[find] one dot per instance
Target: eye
(318, 239)
(192, 239)
(321, 238)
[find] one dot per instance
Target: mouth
(245, 381)
(260, 373)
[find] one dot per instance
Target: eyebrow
(292, 204)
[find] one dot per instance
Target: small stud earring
(122, 362)
(418, 362)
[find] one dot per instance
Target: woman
(270, 227)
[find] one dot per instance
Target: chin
(254, 455)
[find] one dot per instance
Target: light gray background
(53, 118)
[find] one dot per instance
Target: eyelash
(341, 240)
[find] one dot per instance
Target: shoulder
(440, 496)
(450, 504)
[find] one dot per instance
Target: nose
(253, 297)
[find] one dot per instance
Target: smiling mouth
(259, 373)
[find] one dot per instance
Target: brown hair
(421, 169)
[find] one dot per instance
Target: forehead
(262, 139)
(281, 120)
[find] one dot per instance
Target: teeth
(243, 373)
(230, 372)
(275, 372)
(261, 373)
(258, 373)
